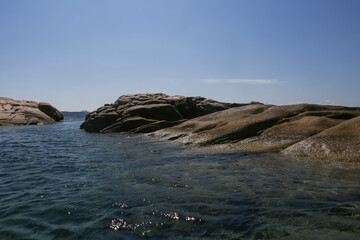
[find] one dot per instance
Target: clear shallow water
(59, 182)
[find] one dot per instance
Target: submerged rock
(22, 112)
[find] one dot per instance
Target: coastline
(304, 130)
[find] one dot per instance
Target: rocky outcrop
(341, 142)
(50, 111)
(324, 132)
(149, 112)
(21, 112)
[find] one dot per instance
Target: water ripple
(59, 182)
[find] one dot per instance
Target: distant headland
(309, 130)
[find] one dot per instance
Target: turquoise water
(59, 182)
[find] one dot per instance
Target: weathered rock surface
(149, 112)
(21, 112)
(50, 111)
(325, 132)
(303, 130)
(341, 142)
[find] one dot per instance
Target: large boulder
(21, 112)
(50, 111)
(149, 112)
(99, 122)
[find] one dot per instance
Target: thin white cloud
(241, 81)
(329, 102)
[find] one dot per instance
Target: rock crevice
(161, 109)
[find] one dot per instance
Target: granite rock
(156, 110)
(323, 132)
(310, 130)
(340, 142)
(22, 112)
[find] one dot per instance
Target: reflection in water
(57, 181)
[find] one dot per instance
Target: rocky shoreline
(309, 130)
(22, 112)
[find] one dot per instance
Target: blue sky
(81, 54)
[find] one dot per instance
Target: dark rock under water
(59, 182)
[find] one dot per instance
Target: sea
(60, 182)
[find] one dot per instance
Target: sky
(80, 54)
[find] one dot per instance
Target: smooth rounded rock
(50, 111)
(22, 112)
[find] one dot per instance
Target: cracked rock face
(149, 112)
(21, 112)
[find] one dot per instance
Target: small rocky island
(22, 112)
(322, 132)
